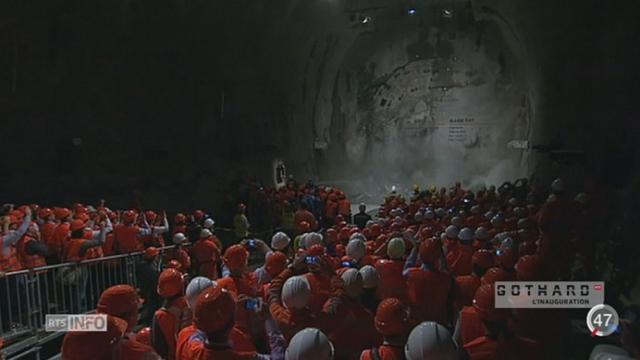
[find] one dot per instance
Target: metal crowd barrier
(27, 296)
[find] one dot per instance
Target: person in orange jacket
(173, 316)
(78, 246)
(128, 236)
(466, 285)
(61, 233)
(392, 322)
(304, 215)
(179, 253)
(392, 282)
(207, 255)
(47, 230)
(429, 290)
(344, 206)
(8, 258)
(499, 343)
(459, 257)
(213, 316)
(330, 210)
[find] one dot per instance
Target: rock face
(173, 101)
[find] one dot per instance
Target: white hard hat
(353, 282)
(208, 223)
(430, 341)
(457, 221)
(280, 241)
(488, 215)
(466, 234)
(582, 198)
(296, 292)
(396, 248)
(370, 276)
(429, 215)
(369, 223)
(309, 344)
(497, 220)
(441, 212)
(398, 220)
(358, 235)
(311, 239)
(179, 238)
(418, 217)
(475, 209)
(513, 201)
(519, 212)
(356, 249)
(205, 233)
(195, 287)
(451, 232)
(507, 242)
(557, 185)
(481, 233)
(394, 212)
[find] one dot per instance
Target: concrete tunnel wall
(173, 101)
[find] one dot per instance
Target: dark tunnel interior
(171, 102)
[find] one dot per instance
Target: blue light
(411, 11)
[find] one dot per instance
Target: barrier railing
(27, 296)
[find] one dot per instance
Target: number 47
(598, 320)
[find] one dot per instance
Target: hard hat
(525, 223)
(144, 336)
(235, 257)
(489, 215)
(356, 249)
(392, 317)
(557, 186)
(353, 282)
(529, 268)
(129, 216)
(214, 310)
(513, 201)
(475, 209)
(582, 198)
(506, 257)
(343, 235)
(441, 212)
(457, 221)
(309, 344)
(196, 287)
(280, 241)
(451, 232)
(495, 274)
(369, 223)
(151, 252)
(418, 217)
(198, 214)
(208, 223)
(296, 292)
(466, 234)
(430, 341)
(118, 300)
(150, 215)
(429, 215)
(332, 236)
(205, 234)
(357, 235)
(45, 213)
(430, 251)
(552, 198)
(483, 258)
(497, 220)
(174, 264)
(179, 238)
(77, 225)
(396, 248)
(481, 233)
(275, 263)
(484, 303)
(170, 283)
(304, 226)
(520, 212)
(316, 250)
(370, 277)
(179, 218)
(311, 239)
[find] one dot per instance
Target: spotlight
(447, 13)
(411, 11)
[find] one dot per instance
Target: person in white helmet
(370, 280)
(206, 254)
(309, 344)
(392, 283)
(280, 241)
(209, 223)
(356, 249)
(179, 253)
(430, 341)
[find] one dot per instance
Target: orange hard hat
(77, 224)
(529, 268)
(150, 215)
(430, 251)
(174, 264)
(316, 250)
(179, 218)
(236, 257)
(276, 262)
(198, 214)
(144, 336)
(62, 213)
(82, 216)
(45, 213)
(304, 226)
(376, 230)
(97, 345)
(170, 283)
(484, 303)
(151, 252)
(391, 317)
(214, 310)
(495, 274)
(344, 234)
(332, 235)
(341, 222)
(483, 258)
(367, 233)
(507, 258)
(129, 216)
(118, 300)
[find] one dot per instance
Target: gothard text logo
(549, 294)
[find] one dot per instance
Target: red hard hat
(376, 230)
(341, 223)
(430, 251)
(353, 231)
(144, 336)
(198, 214)
(483, 258)
(62, 213)
(484, 303)
(529, 268)
(118, 300)
(174, 264)
(179, 218)
(151, 252)
(316, 250)
(150, 215)
(304, 226)
(395, 227)
(83, 216)
(367, 233)
(496, 274)
(170, 283)
(332, 235)
(214, 310)
(129, 216)
(344, 234)
(236, 257)
(391, 318)
(340, 250)
(276, 263)
(44, 213)
(506, 258)
(77, 224)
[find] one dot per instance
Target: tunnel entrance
(429, 101)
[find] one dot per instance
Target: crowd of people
(416, 281)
